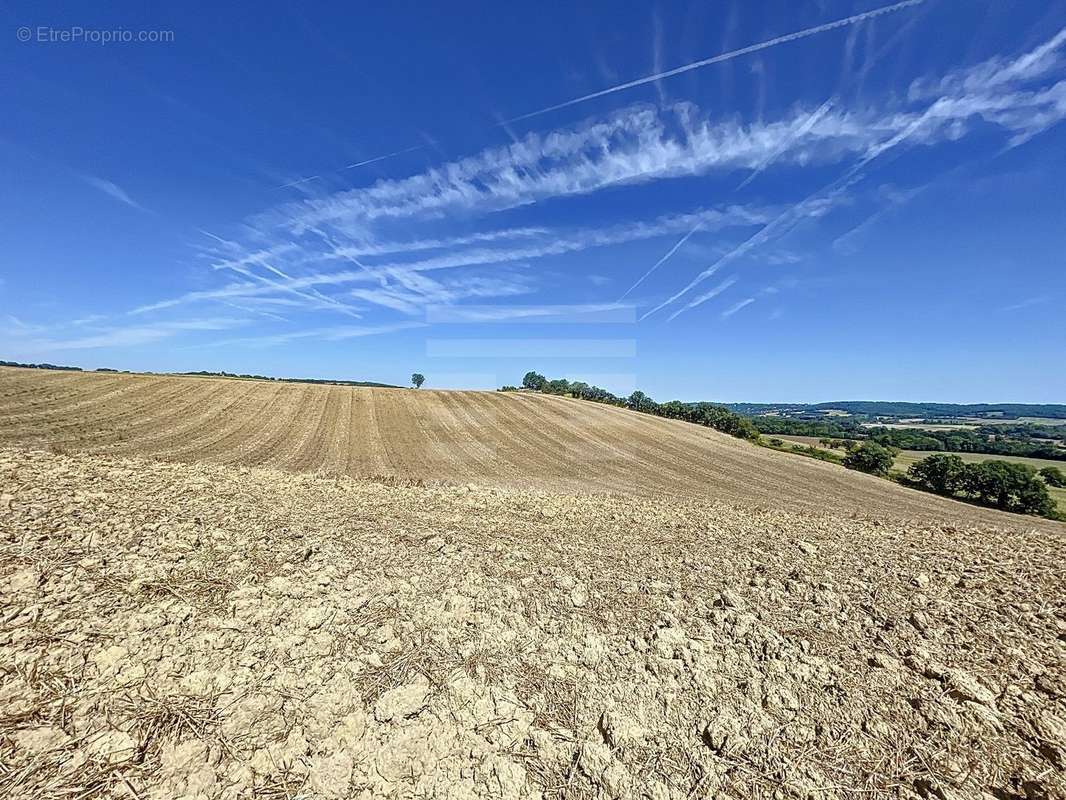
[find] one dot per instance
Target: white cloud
(1021, 112)
(640, 144)
(335, 333)
(289, 254)
(729, 56)
(403, 286)
(132, 335)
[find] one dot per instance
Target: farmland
(503, 439)
(905, 458)
(235, 589)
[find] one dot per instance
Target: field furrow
(316, 445)
(366, 451)
(505, 439)
(193, 425)
(156, 406)
(250, 440)
(471, 436)
(52, 398)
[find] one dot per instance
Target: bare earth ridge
(536, 598)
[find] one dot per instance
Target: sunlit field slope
(488, 438)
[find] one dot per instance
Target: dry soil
(213, 630)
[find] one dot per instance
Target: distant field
(1034, 420)
(929, 427)
(908, 457)
(968, 423)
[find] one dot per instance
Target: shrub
(777, 442)
(870, 457)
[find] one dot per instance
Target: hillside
(502, 439)
(531, 598)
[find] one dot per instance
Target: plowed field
(203, 596)
(503, 439)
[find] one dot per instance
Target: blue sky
(813, 201)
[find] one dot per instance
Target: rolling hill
(503, 439)
(534, 598)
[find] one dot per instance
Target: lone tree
(870, 457)
(418, 379)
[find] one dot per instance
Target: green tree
(534, 381)
(418, 379)
(870, 457)
(557, 386)
(1053, 476)
(638, 401)
(940, 473)
(1008, 486)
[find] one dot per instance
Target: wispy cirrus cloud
(333, 333)
(641, 144)
(403, 285)
(729, 56)
(705, 296)
(636, 145)
(1028, 302)
(133, 335)
(1007, 101)
(351, 253)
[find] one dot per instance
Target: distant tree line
(882, 408)
(985, 440)
(38, 366)
(844, 429)
(707, 414)
(1005, 485)
(1002, 440)
(1024, 430)
(249, 376)
(927, 412)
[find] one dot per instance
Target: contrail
(297, 183)
(763, 234)
(753, 48)
(662, 260)
(802, 131)
(793, 214)
(382, 158)
(703, 298)
(804, 128)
